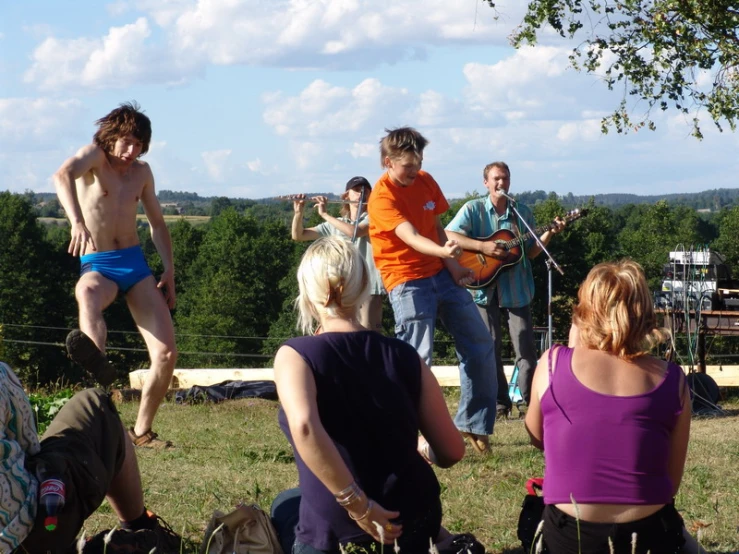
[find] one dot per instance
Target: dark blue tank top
(368, 390)
(607, 449)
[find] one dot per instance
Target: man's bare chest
(108, 186)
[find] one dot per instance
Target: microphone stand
(549, 262)
(359, 213)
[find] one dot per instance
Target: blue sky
(255, 98)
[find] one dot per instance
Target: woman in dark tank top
(613, 422)
(352, 405)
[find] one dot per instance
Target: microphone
(506, 195)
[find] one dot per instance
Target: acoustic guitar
(487, 268)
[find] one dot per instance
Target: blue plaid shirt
(478, 219)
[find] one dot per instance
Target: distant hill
(708, 200)
(191, 203)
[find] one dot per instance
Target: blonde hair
(615, 311)
(333, 280)
(400, 141)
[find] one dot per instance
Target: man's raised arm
(86, 159)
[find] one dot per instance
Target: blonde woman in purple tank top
(613, 422)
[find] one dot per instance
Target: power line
(129, 349)
(50, 328)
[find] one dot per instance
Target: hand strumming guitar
(451, 250)
(493, 249)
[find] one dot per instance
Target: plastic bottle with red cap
(51, 496)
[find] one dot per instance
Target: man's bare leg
(125, 493)
(94, 293)
(151, 314)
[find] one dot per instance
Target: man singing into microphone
(513, 290)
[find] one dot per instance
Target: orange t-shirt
(389, 206)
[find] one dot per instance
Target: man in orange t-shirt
(420, 272)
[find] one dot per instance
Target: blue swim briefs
(124, 267)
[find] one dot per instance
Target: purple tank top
(604, 449)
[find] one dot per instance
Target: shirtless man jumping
(100, 188)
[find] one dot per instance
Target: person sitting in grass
(87, 448)
(352, 404)
(613, 422)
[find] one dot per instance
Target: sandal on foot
(479, 443)
(82, 350)
(148, 440)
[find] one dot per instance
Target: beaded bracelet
(370, 504)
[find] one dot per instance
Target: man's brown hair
(402, 140)
(499, 165)
(124, 120)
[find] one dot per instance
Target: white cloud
(119, 59)
(117, 8)
(527, 110)
(86, 62)
(38, 31)
(433, 109)
(363, 150)
(322, 109)
(156, 146)
(356, 34)
(216, 163)
(515, 83)
(587, 130)
(306, 154)
(29, 170)
(36, 123)
(304, 32)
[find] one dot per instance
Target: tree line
(236, 282)
(190, 203)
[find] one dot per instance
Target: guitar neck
(526, 236)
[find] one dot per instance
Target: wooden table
(709, 322)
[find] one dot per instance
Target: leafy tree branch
(663, 54)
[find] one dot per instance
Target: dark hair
(124, 120)
(401, 141)
(499, 165)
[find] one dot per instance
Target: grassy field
(191, 219)
(235, 451)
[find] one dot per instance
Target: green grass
(235, 451)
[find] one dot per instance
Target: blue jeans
(416, 305)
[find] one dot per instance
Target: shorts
(659, 533)
(125, 267)
(84, 444)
